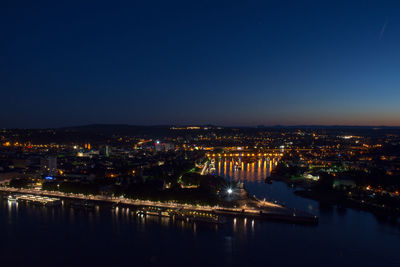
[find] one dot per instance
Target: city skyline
(226, 63)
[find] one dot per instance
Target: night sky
(234, 63)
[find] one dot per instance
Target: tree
(19, 182)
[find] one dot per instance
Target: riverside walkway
(254, 209)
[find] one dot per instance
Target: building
(163, 147)
(52, 165)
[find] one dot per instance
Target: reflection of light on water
(165, 221)
(250, 171)
(116, 214)
(97, 212)
(259, 171)
(224, 165)
(9, 206)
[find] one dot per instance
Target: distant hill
(165, 129)
(109, 129)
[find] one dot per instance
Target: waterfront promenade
(252, 209)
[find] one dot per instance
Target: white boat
(12, 198)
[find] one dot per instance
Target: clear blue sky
(198, 62)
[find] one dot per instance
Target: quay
(261, 210)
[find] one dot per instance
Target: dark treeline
(173, 181)
(205, 193)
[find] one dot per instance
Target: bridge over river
(239, 168)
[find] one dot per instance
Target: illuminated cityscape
(204, 176)
(200, 133)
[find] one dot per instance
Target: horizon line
(212, 125)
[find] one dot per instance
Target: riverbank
(308, 189)
(261, 210)
(294, 182)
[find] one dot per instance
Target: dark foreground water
(38, 236)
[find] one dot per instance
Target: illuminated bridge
(245, 154)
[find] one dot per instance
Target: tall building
(52, 165)
(105, 151)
